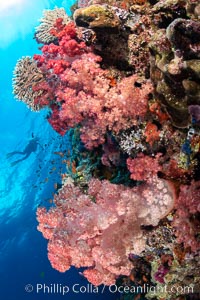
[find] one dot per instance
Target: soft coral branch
(143, 167)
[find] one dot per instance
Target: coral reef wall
(122, 78)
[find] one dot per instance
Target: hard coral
(43, 31)
(26, 77)
(97, 16)
(175, 68)
(132, 141)
(124, 43)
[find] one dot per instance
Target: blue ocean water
(24, 265)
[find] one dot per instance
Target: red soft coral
(151, 133)
(143, 167)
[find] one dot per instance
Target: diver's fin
(14, 163)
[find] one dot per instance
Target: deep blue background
(23, 250)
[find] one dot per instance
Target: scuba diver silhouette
(30, 147)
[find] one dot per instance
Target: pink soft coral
(100, 228)
(96, 104)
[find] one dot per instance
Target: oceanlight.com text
(146, 288)
(61, 289)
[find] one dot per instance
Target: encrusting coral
(97, 16)
(175, 61)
